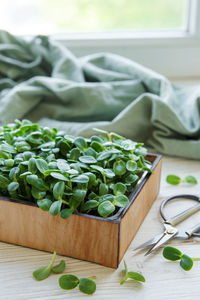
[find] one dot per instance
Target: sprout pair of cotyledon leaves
(86, 285)
(44, 272)
(131, 275)
(65, 174)
(173, 254)
(176, 180)
(67, 281)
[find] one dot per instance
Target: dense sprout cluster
(66, 174)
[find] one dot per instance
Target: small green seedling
(132, 275)
(44, 272)
(69, 282)
(186, 262)
(175, 180)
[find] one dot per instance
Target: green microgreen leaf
(132, 275)
(9, 162)
(109, 173)
(87, 159)
(119, 188)
(136, 276)
(130, 179)
(173, 179)
(68, 282)
(80, 179)
(121, 201)
(59, 268)
(186, 262)
(44, 204)
(55, 208)
(44, 272)
(131, 165)
(119, 167)
(90, 205)
(58, 190)
(42, 165)
(62, 165)
(4, 182)
(104, 155)
(13, 186)
(107, 197)
(103, 189)
(32, 166)
(87, 286)
(66, 213)
(80, 143)
(98, 147)
(190, 179)
(37, 194)
(59, 176)
(37, 182)
(105, 209)
(172, 253)
(74, 154)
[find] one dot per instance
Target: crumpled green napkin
(43, 81)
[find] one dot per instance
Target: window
(86, 16)
(161, 34)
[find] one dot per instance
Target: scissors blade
(169, 233)
(149, 242)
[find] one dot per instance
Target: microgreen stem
(104, 177)
(92, 277)
(124, 279)
(65, 202)
(195, 258)
(52, 260)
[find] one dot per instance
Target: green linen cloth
(43, 81)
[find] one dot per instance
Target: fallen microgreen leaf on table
(69, 282)
(132, 275)
(173, 254)
(175, 180)
(44, 272)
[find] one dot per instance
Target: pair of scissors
(169, 224)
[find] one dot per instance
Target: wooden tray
(103, 241)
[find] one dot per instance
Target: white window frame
(175, 54)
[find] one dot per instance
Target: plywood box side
(79, 237)
(135, 215)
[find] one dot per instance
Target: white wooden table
(164, 279)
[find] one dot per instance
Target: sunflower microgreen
(131, 275)
(44, 272)
(175, 180)
(186, 262)
(69, 282)
(65, 174)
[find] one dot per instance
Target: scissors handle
(194, 231)
(182, 215)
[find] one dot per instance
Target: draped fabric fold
(43, 81)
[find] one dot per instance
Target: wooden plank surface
(164, 279)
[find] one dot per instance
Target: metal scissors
(169, 224)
